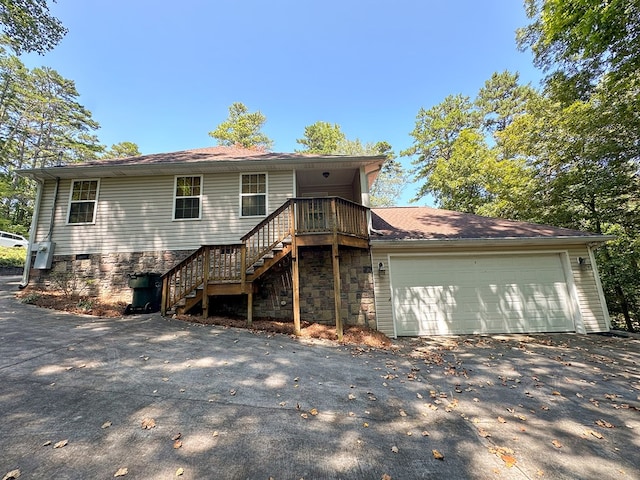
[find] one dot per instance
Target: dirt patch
(353, 334)
(71, 303)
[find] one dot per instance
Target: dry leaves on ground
(13, 474)
(437, 455)
(148, 423)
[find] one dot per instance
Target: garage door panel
(482, 294)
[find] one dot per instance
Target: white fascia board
(489, 242)
(173, 168)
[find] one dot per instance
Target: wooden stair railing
(273, 230)
(219, 264)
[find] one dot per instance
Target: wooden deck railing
(330, 215)
(229, 263)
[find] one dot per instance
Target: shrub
(12, 257)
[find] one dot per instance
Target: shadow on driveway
(230, 403)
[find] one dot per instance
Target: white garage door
(438, 295)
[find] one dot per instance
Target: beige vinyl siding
(382, 292)
(594, 314)
(136, 214)
(587, 294)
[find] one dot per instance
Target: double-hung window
(188, 198)
(253, 195)
(83, 202)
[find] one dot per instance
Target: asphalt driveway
(77, 393)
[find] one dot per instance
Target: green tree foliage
(322, 138)
(122, 150)
(29, 27)
(584, 40)
(455, 161)
(242, 128)
(587, 147)
(41, 124)
(501, 100)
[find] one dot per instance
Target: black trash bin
(147, 292)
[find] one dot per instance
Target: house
(291, 236)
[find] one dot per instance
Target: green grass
(12, 256)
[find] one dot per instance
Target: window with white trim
(187, 203)
(83, 202)
(253, 194)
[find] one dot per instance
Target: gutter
(590, 240)
(32, 234)
(115, 169)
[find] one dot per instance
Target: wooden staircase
(233, 269)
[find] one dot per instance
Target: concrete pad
(250, 405)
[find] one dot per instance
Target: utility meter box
(44, 255)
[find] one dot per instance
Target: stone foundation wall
(275, 295)
(104, 276)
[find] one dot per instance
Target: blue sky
(163, 74)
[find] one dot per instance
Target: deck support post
(250, 307)
(337, 289)
(295, 280)
(205, 283)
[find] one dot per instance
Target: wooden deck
(232, 269)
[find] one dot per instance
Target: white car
(12, 240)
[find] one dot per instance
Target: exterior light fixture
(325, 174)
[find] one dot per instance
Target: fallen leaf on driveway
(556, 443)
(508, 460)
(148, 423)
(106, 425)
(604, 423)
(176, 436)
(12, 475)
(555, 392)
(595, 434)
(121, 472)
(47, 443)
(386, 477)
(61, 443)
(179, 472)
(177, 444)
(313, 411)
(502, 420)
(483, 433)
(437, 455)
(394, 449)
(425, 433)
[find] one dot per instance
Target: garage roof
(426, 223)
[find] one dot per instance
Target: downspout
(53, 209)
(32, 234)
